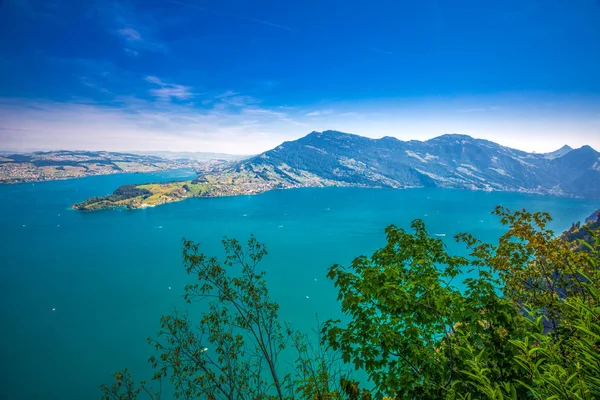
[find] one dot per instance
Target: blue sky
(243, 76)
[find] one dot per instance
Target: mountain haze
(448, 161)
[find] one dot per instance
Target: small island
(139, 196)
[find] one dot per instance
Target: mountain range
(448, 161)
(334, 158)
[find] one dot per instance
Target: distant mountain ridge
(193, 155)
(334, 158)
(68, 164)
(450, 161)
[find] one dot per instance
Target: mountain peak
(452, 136)
(587, 148)
(329, 133)
(558, 153)
(584, 151)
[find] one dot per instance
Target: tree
(418, 335)
(234, 351)
(405, 313)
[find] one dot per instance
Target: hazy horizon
(137, 151)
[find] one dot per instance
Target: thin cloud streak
(319, 113)
(127, 24)
(239, 16)
(130, 52)
(260, 21)
(130, 34)
(168, 91)
(85, 81)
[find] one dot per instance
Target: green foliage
(516, 320)
(127, 192)
(406, 316)
(125, 388)
(548, 370)
(523, 325)
(581, 236)
(121, 193)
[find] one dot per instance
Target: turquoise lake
(107, 274)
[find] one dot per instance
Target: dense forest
(519, 319)
(121, 193)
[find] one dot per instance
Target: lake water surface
(81, 292)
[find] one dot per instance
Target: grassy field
(155, 194)
(164, 193)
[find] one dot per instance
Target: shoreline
(137, 203)
(68, 178)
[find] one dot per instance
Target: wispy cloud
(132, 123)
(263, 22)
(130, 34)
(170, 118)
(168, 91)
(318, 113)
(134, 39)
(128, 123)
(14, 129)
(478, 109)
(130, 52)
(86, 81)
(471, 110)
(232, 15)
(133, 26)
(235, 99)
(154, 79)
